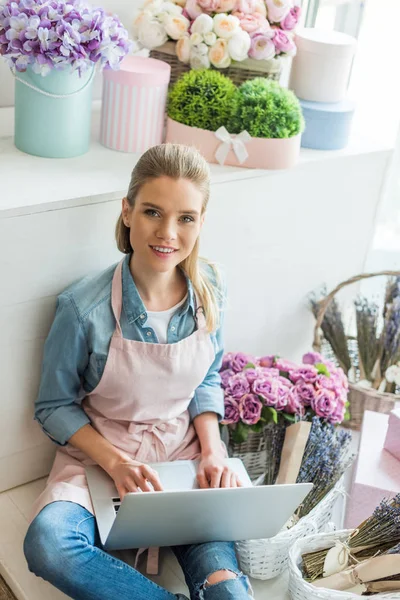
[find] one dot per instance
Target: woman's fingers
(215, 477)
(226, 479)
(152, 476)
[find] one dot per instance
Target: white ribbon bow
(237, 143)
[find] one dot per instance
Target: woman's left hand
(214, 472)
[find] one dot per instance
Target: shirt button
(173, 328)
(148, 333)
(142, 316)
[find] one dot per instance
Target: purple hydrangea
(60, 34)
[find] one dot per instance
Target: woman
(130, 377)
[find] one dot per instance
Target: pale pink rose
(249, 23)
(182, 50)
(260, 8)
(245, 6)
(277, 9)
(209, 5)
(219, 54)
(324, 404)
(291, 19)
(226, 6)
(283, 43)
(250, 409)
(192, 9)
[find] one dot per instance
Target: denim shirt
(76, 350)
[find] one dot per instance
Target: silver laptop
(185, 514)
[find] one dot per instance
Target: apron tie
(153, 433)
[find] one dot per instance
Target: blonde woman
(130, 377)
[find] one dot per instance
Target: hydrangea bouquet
(260, 390)
(59, 34)
(217, 32)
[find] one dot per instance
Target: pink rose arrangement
(216, 32)
(258, 390)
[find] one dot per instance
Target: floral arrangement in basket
(256, 125)
(60, 34)
(217, 32)
(366, 560)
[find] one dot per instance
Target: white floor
(14, 510)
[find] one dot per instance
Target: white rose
(203, 24)
(225, 25)
(196, 39)
(176, 26)
(152, 34)
(210, 38)
(182, 49)
(198, 61)
(170, 8)
(219, 55)
(141, 18)
(392, 374)
(239, 45)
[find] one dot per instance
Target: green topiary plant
(202, 99)
(266, 110)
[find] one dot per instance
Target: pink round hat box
(133, 106)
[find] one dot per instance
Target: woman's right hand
(134, 476)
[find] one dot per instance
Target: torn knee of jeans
(232, 575)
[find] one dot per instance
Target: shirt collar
(132, 302)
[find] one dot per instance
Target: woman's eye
(151, 212)
(187, 219)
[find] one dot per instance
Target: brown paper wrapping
(296, 437)
(369, 570)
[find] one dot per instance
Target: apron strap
(116, 297)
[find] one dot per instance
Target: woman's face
(165, 222)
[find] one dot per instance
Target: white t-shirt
(159, 320)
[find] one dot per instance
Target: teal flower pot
(53, 113)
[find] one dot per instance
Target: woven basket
(302, 590)
(256, 452)
(265, 559)
(238, 73)
(360, 399)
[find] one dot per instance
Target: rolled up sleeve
(209, 395)
(57, 407)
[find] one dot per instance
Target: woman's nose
(166, 231)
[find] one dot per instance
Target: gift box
(239, 150)
(392, 440)
(376, 473)
(328, 125)
(133, 105)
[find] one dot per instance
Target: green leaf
(284, 374)
(322, 369)
(240, 433)
(288, 417)
(257, 427)
(250, 366)
(269, 414)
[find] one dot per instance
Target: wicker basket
(238, 73)
(302, 590)
(265, 559)
(360, 399)
(256, 452)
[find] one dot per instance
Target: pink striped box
(392, 440)
(133, 106)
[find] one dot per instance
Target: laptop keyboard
(117, 503)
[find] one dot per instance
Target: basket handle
(324, 303)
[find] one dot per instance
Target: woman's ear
(125, 211)
(203, 216)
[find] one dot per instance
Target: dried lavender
(367, 336)
(274, 436)
(325, 459)
(333, 329)
(378, 534)
(390, 338)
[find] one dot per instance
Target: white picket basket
(267, 558)
(300, 589)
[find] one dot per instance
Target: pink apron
(140, 405)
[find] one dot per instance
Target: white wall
(125, 9)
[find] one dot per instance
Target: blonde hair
(178, 161)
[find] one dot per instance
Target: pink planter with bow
(239, 150)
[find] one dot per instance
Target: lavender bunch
(367, 336)
(333, 329)
(59, 34)
(390, 337)
(379, 534)
(325, 459)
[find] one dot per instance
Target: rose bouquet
(260, 390)
(59, 34)
(216, 32)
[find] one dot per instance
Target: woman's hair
(178, 161)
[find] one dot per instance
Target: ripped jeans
(62, 546)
